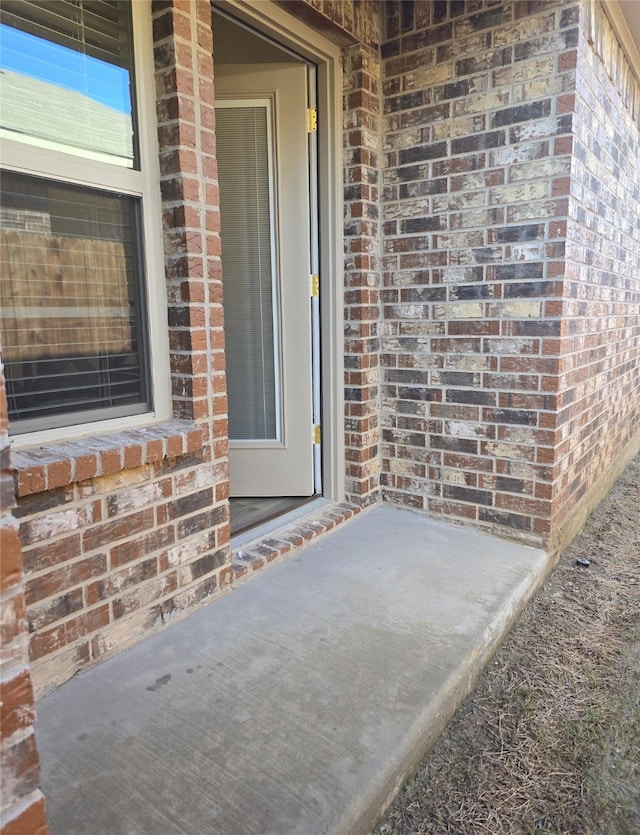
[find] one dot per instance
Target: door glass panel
(245, 162)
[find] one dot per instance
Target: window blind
(98, 28)
(70, 306)
(244, 173)
(70, 59)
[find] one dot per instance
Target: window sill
(60, 464)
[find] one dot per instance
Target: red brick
(31, 821)
(14, 623)
(563, 145)
(133, 457)
(567, 60)
(22, 759)
(58, 474)
(11, 561)
(110, 461)
(561, 186)
(17, 710)
(138, 547)
(39, 588)
(194, 440)
(52, 553)
(118, 529)
(31, 480)
(86, 467)
(155, 451)
(175, 446)
(566, 103)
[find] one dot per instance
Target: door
(262, 150)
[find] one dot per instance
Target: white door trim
(276, 23)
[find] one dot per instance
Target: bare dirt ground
(549, 741)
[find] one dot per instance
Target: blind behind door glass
(246, 210)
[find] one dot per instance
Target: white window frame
(144, 184)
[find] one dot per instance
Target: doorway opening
(267, 171)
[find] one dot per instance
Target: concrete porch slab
(297, 703)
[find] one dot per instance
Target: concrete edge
(430, 725)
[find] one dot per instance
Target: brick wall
(123, 532)
(477, 135)
(599, 402)
(345, 22)
(21, 801)
(362, 273)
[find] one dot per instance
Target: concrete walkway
(297, 703)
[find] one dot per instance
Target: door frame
(277, 24)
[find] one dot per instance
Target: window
(78, 191)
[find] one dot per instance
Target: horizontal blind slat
(94, 30)
(69, 309)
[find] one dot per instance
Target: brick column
(183, 46)
(191, 212)
(362, 273)
(21, 801)
(598, 418)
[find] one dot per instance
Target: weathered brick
(44, 614)
(208, 519)
(17, 711)
(39, 588)
(137, 547)
(39, 502)
(47, 641)
(32, 820)
(137, 497)
(59, 523)
(185, 505)
(118, 529)
(46, 556)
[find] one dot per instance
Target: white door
(262, 150)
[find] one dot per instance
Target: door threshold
(260, 531)
(250, 512)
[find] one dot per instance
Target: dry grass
(550, 739)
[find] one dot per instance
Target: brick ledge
(60, 464)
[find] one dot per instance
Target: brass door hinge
(317, 434)
(315, 285)
(312, 120)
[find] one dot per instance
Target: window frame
(142, 183)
